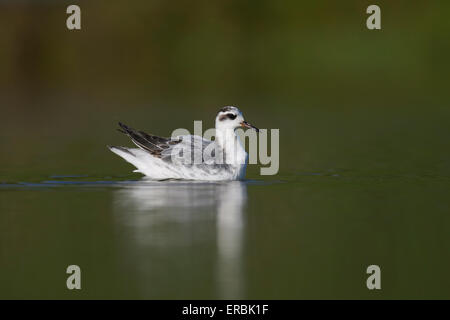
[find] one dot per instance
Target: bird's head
(230, 117)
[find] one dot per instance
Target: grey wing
(207, 152)
(191, 146)
(153, 144)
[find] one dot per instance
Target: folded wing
(163, 147)
(153, 144)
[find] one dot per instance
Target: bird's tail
(126, 154)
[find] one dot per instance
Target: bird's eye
(231, 116)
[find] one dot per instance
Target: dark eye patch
(227, 116)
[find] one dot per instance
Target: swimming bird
(190, 157)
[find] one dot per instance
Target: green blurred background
(158, 65)
(363, 118)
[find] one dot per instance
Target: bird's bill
(245, 124)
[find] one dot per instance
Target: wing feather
(165, 147)
(148, 142)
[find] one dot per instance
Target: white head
(230, 117)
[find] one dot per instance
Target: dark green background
(364, 151)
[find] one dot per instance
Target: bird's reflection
(188, 226)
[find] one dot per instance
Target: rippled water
(309, 235)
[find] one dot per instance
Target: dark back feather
(151, 143)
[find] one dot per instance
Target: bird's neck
(234, 152)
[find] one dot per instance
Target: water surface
(308, 235)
